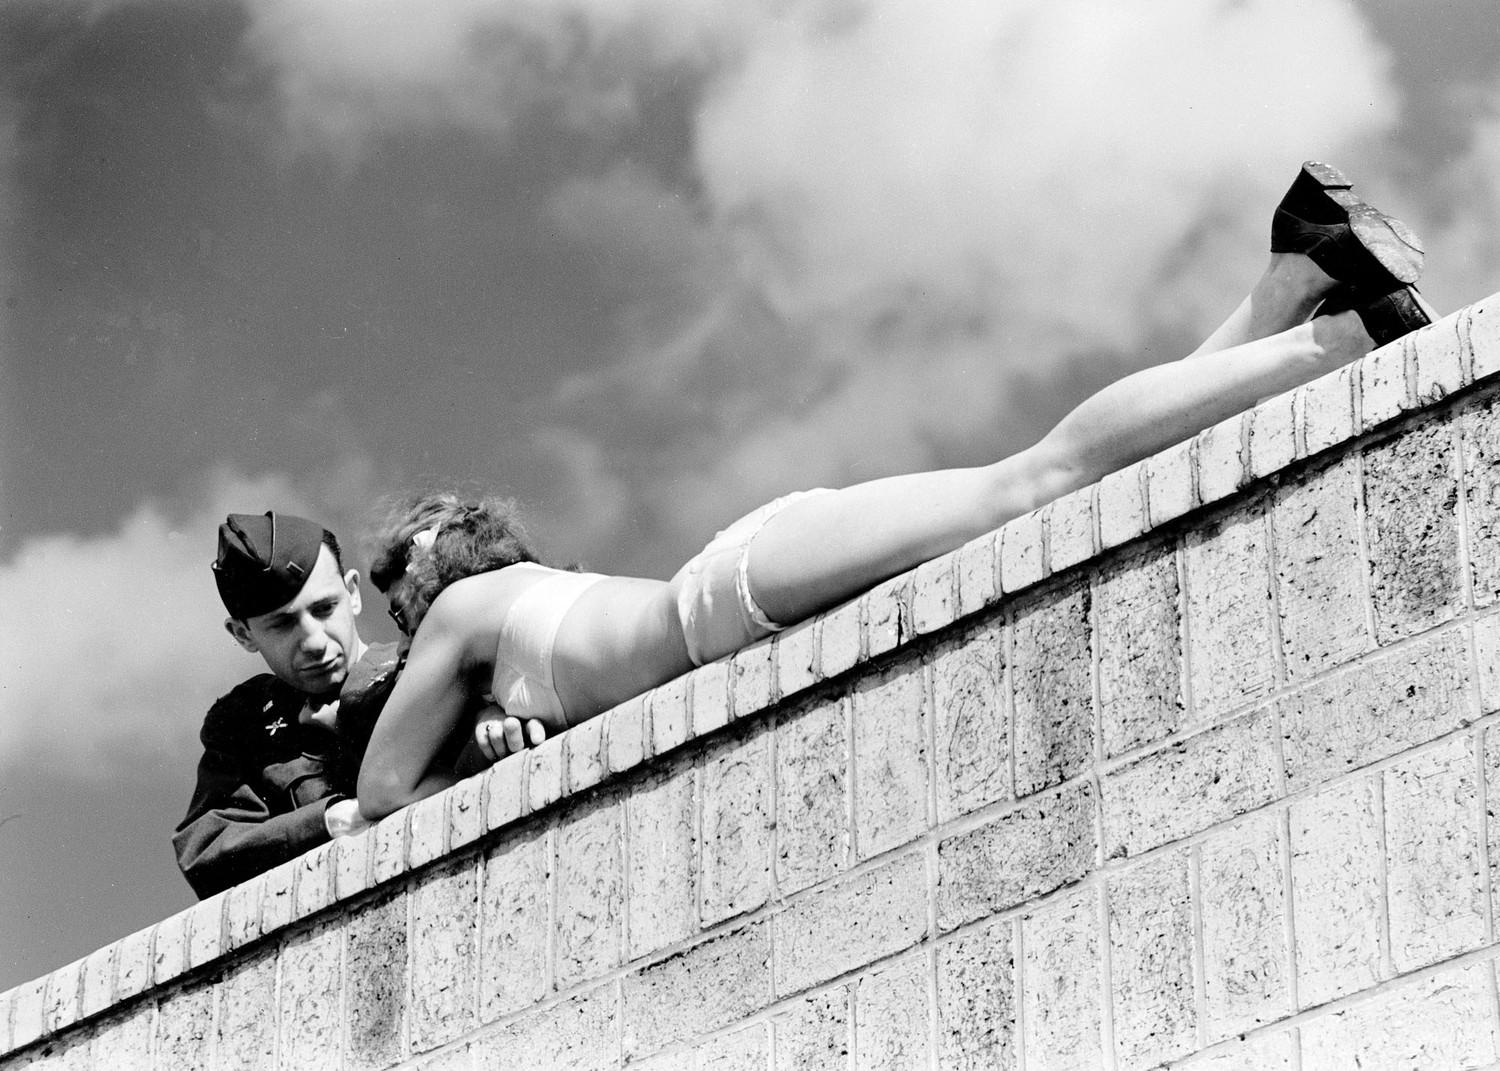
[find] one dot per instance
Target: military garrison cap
(264, 560)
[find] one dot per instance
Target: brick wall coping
(1453, 354)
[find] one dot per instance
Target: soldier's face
(311, 641)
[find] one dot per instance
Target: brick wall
(1194, 768)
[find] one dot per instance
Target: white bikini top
(523, 682)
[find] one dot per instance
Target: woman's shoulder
(491, 590)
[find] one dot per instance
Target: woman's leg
(1285, 295)
(822, 550)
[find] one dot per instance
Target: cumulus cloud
(890, 215)
(112, 647)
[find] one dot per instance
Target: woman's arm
(401, 763)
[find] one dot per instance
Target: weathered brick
(1122, 506)
(743, 1050)
(1140, 650)
(978, 573)
(1325, 411)
(456, 1059)
(1336, 894)
(670, 713)
(1439, 357)
(1230, 656)
(73, 1051)
(1021, 543)
(133, 965)
(1411, 502)
(1151, 956)
(245, 1027)
(28, 1011)
(1487, 662)
(934, 598)
(1245, 958)
(444, 955)
(465, 811)
(206, 931)
(812, 795)
(1053, 695)
(713, 703)
(855, 922)
(184, 1030)
(310, 1018)
(1190, 785)
(1492, 812)
(735, 784)
(887, 617)
(752, 680)
(839, 638)
(169, 946)
(428, 827)
(814, 1034)
(580, 1034)
(976, 1000)
(625, 734)
(312, 885)
(587, 761)
(590, 891)
(1375, 710)
(1070, 530)
(1479, 436)
(1061, 1014)
(890, 757)
(1221, 459)
(1483, 335)
(544, 775)
(375, 1010)
(1169, 484)
(972, 755)
(1273, 438)
(1264, 1052)
(796, 654)
(387, 851)
(98, 986)
(1433, 856)
(1044, 843)
(514, 922)
(1382, 386)
(1447, 1020)
(668, 1001)
(351, 868)
(671, 1060)
(124, 1044)
(891, 1016)
(661, 873)
(1318, 571)
(64, 986)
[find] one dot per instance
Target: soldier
(281, 750)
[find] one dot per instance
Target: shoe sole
(1394, 245)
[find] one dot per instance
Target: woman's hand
(497, 734)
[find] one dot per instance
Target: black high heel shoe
(1386, 316)
(1356, 244)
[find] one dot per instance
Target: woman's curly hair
(472, 535)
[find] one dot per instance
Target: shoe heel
(1325, 176)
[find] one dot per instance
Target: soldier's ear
(241, 633)
(351, 582)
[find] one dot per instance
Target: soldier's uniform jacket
(266, 778)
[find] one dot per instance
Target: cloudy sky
(642, 263)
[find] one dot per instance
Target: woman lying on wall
(558, 647)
